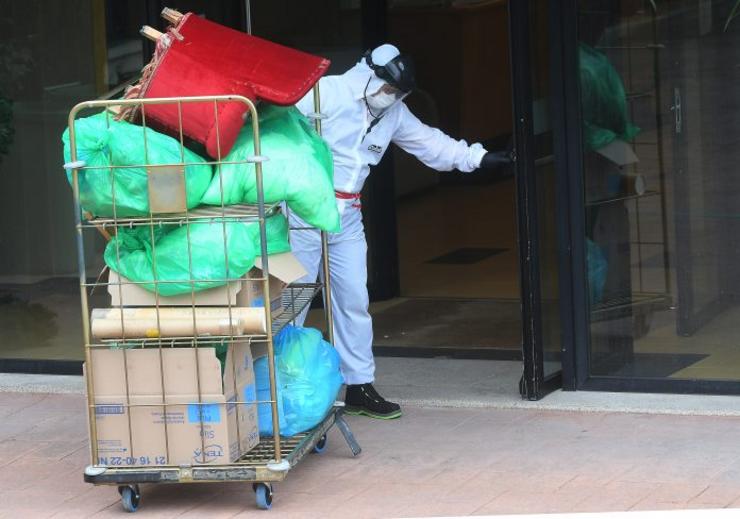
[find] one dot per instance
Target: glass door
(702, 149)
(660, 112)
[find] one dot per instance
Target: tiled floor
(448, 218)
(431, 462)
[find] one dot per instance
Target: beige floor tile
(88, 502)
(396, 496)
(227, 500)
(613, 497)
(716, 496)
(436, 507)
(14, 448)
(509, 461)
(175, 500)
(647, 505)
(523, 501)
(677, 493)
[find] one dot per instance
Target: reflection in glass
(47, 64)
(546, 188)
(78, 51)
(660, 106)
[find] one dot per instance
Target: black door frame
(571, 222)
(526, 200)
(534, 383)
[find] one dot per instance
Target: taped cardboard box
(214, 431)
(247, 292)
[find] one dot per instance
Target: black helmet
(398, 72)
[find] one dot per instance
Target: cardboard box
(619, 152)
(284, 269)
(216, 431)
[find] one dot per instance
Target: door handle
(677, 110)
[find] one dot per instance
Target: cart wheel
(263, 495)
(130, 497)
(134, 486)
(320, 445)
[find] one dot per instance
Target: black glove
(496, 159)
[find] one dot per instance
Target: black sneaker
(363, 399)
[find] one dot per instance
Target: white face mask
(380, 100)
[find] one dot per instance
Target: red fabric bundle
(199, 57)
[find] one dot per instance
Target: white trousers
(353, 327)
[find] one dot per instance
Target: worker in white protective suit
(364, 113)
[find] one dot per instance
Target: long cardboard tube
(141, 328)
(181, 312)
(110, 323)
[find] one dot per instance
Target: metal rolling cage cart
(271, 459)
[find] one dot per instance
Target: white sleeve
(433, 147)
(306, 105)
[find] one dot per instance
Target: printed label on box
(102, 409)
(173, 417)
(114, 446)
(209, 454)
(117, 461)
(206, 413)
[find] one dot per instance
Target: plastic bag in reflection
(603, 100)
(307, 379)
(597, 271)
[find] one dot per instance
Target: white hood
(358, 76)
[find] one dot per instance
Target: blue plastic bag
(598, 269)
(307, 379)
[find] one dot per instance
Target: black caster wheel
(263, 495)
(130, 497)
(320, 445)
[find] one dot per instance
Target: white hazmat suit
(358, 139)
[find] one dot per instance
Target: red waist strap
(347, 196)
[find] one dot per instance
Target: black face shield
(398, 72)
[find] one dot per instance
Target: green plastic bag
(299, 170)
(131, 254)
(603, 101)
(103, 143)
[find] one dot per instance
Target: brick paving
(432, 462)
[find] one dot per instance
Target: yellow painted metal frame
(248, 468)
